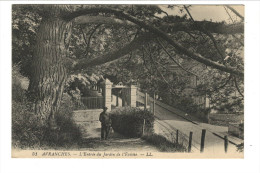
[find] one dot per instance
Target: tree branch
(128, 60)
(152, 60)
(101, 20)
(84, 36)
(242, 44)
(165, 50)
(234, 11)
(164, 12)
(218, 28)
(145, 63)
(228, 14)
(236, 85)
(159, 33)
(222, 86)
(135, 44)
(89, 38)
(208, 34)
(81, 17)
(215, 43)
(188, 12)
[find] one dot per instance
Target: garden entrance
(118, 95)
(108, 94)
(123, 95)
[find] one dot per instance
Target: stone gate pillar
(124, 97)
(107, 93)
(133, 90)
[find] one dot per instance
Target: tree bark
(47, 83)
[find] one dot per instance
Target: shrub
(129, 121)
(28, 132)
(18, 93)
(240, 147)
(163, 144)
(68, 133)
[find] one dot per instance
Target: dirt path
(116, 142)
(88, 121)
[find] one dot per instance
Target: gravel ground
(116, 142)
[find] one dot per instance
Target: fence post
(208, 117)
(177, 136)
(190, 142)
(145, 101)
(123, 101)
(117, 101)
(154, 104)
(143, 128)
(226, 143)
(202, 140)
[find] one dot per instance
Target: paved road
(168, 121)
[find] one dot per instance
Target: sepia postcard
(129, 86)
(161, 81)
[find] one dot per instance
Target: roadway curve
(169, 119)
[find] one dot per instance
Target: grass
(163, 144)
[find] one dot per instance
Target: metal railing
(93, 102)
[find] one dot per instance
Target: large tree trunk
(49, 71)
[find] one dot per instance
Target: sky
(216, 13)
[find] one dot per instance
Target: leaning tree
(51, 62)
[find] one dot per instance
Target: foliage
(68, 133)
(81, 84)
(18, 93)
(225, 119)
(163, 144)
(129, 121)
(221, 90)
(187, 105)
(240, 147)
(28, 132)
(152, 69)
(151, 66)
(25, 23)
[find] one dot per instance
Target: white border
(249, 164)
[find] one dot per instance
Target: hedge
(129, 121)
